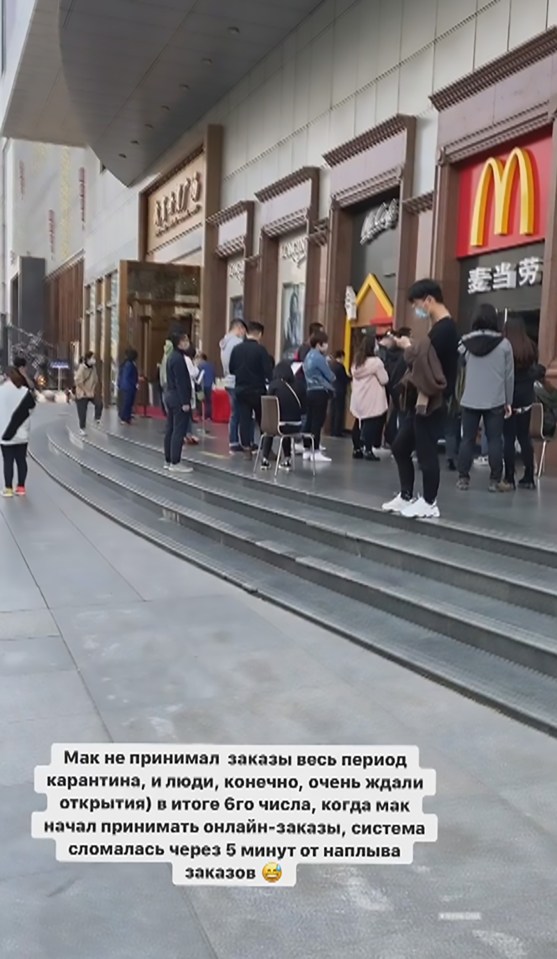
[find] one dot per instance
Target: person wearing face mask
(86, 390)
(425, 421)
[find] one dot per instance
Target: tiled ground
(104, 637)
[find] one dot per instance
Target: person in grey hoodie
(236, 335)
(488, 395)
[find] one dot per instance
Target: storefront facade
(498, 160)
(287, 262)
(377, 228)
(231, 240)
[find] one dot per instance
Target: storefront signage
(503, 199)
(376, 222)
(177, 206)
(506, 276)
(295, 250)
(236, 270)
(350, 304)
(500, 175)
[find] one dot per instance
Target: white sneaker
(482, 461)
(396, 505)
(166, 466)
(180, 468)
(322, 449)
(82, 433)
(299, 449)
(320, 458)
(421, 510)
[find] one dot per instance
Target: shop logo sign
(506, 276)
(351, 304)
(178, 206)
(295, 250)
(236, 270)
(378, 221)
(501, 175)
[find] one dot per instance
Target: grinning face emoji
(272, 872)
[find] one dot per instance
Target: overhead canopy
(129, 77)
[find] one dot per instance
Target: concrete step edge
(412, 603)
(470, 688)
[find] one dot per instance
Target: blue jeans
(234, 424)
(493, 421)
(126, 409)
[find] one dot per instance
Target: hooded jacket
(369, 394)
(489, 375)
(162, 366)
(227, 345)
(16, 404)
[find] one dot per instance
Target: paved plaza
(103, 637)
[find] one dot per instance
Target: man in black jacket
(178, 400)
(252, 367)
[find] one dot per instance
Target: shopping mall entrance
(158, 298)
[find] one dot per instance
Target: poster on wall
(292, 314)
(236, 308)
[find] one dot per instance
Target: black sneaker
(358, 455)
(370, 456)
(265, 465)
(451, 466)
(526, 483)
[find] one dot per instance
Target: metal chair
(271, 427)
(538, 434)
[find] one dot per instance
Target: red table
(221, 406)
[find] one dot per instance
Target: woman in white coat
(368, 401)
(16, 403)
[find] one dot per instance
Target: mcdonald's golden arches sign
(503, 198)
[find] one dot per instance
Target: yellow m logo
(502, 175)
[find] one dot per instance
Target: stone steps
(401, 594)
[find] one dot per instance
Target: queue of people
(405, 395)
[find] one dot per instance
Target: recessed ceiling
(148, 70)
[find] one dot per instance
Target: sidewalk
(105, 638)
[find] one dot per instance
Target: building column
(339, 273)
(548, 314)
(446, 268)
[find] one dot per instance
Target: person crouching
(290, 414)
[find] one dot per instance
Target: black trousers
(517, 427)
(391, 426)
(368, 433)
(317, 403)
(82, 406)
(287, 445)
(338, 414)
(249, 404)
(420, 433)
(177, 426)
(15, 455)
(493, 421)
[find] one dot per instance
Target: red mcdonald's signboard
(503, 198)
